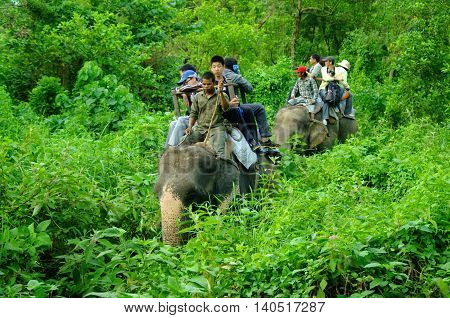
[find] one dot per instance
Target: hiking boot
(254, 145)
(274, 152)
(261, 150)
(269, 144)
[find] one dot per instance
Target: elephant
(292, 120)
(193, 174)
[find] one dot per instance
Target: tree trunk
(296, 31)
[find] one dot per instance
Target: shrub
(7, 119)
(20, 263)
(43, 96)
(101, 101)
(271, 84)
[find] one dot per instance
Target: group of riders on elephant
(219, 147)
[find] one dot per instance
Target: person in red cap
(307, 91)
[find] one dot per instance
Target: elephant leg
(347, 127)
(317, 135)
(171, 208)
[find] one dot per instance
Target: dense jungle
(85, 104)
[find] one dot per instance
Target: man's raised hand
(234, 102)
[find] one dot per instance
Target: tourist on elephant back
(235, 114)
(256, 110)
(328, 76)
(207, 112)
(342, 72)
(314, 70)
(189, 83)
(305, 91)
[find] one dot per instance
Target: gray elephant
(292, 120)
(193, 174)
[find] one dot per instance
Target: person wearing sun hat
(188, 85)
(342, 74)
(343, 68)
(329, 74)
(345, 64)
(187, 75)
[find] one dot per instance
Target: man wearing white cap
(342, 68)
(342, 73)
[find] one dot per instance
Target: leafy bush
(43, 96)
(272, 85)
(20, 264)
(100, 101)
(7, 119)
(108, 258)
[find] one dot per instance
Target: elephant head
(292, 120)
(190, 174)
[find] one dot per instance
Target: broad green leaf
(362, 294)
(43, 240)
(43, 226)
(36, 209)
(378, 282)
(104, 253)
(323, 284)
(332, 265)
(371, 265)
(193, 289)
(200, 280)
(397, 264)
(31, 228)
(320, 294)
(32, 284)
(13, 246)
(112, 232)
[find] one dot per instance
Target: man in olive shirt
(315, 70)
(204, 113)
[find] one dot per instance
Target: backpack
(332, 94)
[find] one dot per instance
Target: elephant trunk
(281, 136)
(171, 208)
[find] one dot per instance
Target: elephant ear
(317, 134)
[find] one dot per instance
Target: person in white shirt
(329, 75)
(342, 73)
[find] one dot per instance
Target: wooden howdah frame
(176, 94)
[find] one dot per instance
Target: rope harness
(210, 123)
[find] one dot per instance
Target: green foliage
(43, 96)
(81, 39)
(374, 224)
(20, 249)
(271, 85)
(78, 161)
(149, 19)
(101, 101)
(108, 258)
(406, 68)
(6, 112)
